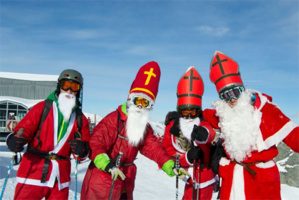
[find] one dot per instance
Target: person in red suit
(251, 127)
(45, 169)
(188, 135)
(126, 130)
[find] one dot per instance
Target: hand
(181, 173)
(199, 133)
(218, 154)
(194, 154)
(114, 171)
(171, 116)
(78, 147)
(16, 143)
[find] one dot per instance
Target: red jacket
(31, 167)
(274, 128)
(207, 177)
(97, 183)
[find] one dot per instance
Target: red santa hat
(146, 83)
(190, 90)
(224, 72)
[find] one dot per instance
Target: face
(231, 96)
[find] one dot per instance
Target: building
(18, 93)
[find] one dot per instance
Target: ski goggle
(189, 113)
(66, 85)
(233, 93)
(141, 101)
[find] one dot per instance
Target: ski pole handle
(116, 165)
(177, 166)
(118, 159)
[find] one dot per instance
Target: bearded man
(251, 129)
(45, 169)
(126, 130)
(188, 135)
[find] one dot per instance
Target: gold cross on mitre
(149, 75)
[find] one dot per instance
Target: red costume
(239, 180)
(173, 145)
(31, 167)
(109, 136)
(189, 92)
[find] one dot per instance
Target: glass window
(21, 107)
(3, 114)
(2, 123)
(3, 105)
(12, 106)
(21, 115)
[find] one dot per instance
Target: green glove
(169, 169)
(103, 162)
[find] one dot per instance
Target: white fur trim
(175, 145)
(207, 183)
(238, 189)
(281, 134)
(224, 161)
(203, 184)
(49, 183)
(266, 165)
(276, 138)
(186, 158)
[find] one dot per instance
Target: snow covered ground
(151, 183)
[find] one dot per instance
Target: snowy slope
(151, 183)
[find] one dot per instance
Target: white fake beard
(239, 126)
(187, 125)
(136, 124)
(66, 103)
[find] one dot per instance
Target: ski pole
(116, 165)
(8, 173)
(177, 166)
(198, 176)
(194, 178)
(77, 135)
(76, 175)
(20, 133)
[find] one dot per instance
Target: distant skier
(251, 128)
(188, 135)
(45, 169)
(126, 130)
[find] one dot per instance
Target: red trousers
(32, 192)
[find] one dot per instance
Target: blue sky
(108, 41)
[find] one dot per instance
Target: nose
(69, 91)
(139, 106)
(233, 100)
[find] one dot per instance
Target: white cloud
(214, 31)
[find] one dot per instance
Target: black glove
(218, 154)
(199, 133)
(171, 116)
(79, 147)
(16, 143)
(194, 154)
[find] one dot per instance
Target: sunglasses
(66, 85)
(141, 101)
(233, 93)
(189, 113)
